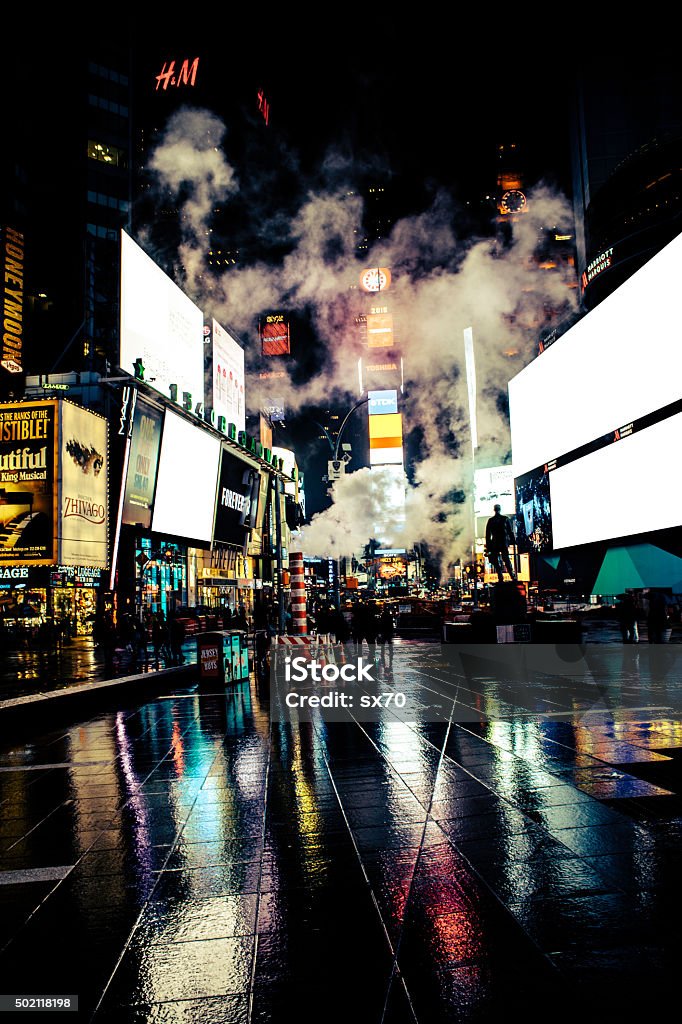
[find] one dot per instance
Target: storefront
(67, 593)
(161, 576)
(23, 597)
(227, 581)
(74, 597)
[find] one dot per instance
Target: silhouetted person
(140, 642)
(386, 633)
(657, 616)
(107, 639)
(159, 637)
(176, 629)
(498, 536)
(627, 617)
(340, 627)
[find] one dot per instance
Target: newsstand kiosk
(223, 657)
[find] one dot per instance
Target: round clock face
(513, 201)
(375, 279)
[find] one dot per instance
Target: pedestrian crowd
(132, 637)
(357, 623)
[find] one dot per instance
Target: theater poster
(28, 482)
(84, 490)
(142, 465)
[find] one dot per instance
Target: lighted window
(106, 154)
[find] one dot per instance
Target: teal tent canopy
(638, 566)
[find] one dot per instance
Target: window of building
(99, 231)
(109, 201)
(111, 76)
(106, 154)
(104, 104)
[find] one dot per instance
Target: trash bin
(223, 657)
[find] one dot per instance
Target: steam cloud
(440, 286)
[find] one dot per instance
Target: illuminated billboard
(380, 330)
(84, 488)
(29, 456)
(12, 270)
(236, 500)
(380, 373)
(227, 378)
(274, 334)
(494, 486)
(160, 326)
(142, 465)
(596, 418)
(534, 518)
(625, 488)
(386, 439)
(619, 362)
(184, 502)
(382, 403)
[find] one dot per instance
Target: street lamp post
(336, 463)
(471, 388)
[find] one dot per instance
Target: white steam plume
(441, 285)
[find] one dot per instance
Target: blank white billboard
(228, 377)
(159, 325)
(621, 361)
(631, 486)
(187, 477)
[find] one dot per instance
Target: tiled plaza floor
(187, 858)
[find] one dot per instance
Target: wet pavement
(26, 670)
(189, 857)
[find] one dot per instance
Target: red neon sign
(187, 74)
(263, 106)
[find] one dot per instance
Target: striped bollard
(299, 620)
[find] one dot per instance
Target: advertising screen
(84, 491)
(12, 270)
(492, 486)
(186, 480)
(534, 518)
(380, 330)
(159, 325)
(236, 500)
(383, 403)
(621, 361)
(274, 335)
(628, 487)
(386, 439)
(28, 482)
(228, 377)
(142, 465)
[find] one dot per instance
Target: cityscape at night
(340, 527)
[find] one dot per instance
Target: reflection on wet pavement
(189, 859)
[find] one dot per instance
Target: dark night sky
(427, 104)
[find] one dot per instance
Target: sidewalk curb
(62, 699)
